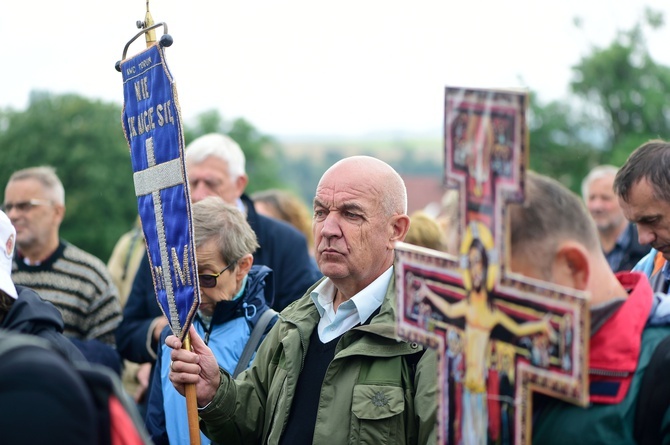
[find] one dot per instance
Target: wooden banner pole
(191, 404)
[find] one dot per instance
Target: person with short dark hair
(554, 239)
(642, 186)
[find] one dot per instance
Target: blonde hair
(425, 231)
(448, 219)
(289, 208)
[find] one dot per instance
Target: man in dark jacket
(21, 309)
(216, 167)
(29, 314)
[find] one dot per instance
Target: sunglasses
(209, 280)
(24, 206)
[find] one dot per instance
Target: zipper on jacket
(606, 373)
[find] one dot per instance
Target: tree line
(619, 98)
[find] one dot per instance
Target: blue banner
(153, 129)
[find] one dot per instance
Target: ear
(241, 184)
(243, 266)
(400, 227)
(59, 212)
(571, 266)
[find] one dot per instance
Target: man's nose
(198, 192)
(12, 213)
(645, 235)
(331, 226)
(595, 204)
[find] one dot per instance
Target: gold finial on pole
(147, 23)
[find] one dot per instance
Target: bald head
(368, 172)
(359, 215)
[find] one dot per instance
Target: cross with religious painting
(500, 336)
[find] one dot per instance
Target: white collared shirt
(354, 311)
(240, 205)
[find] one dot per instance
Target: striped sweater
(80, 286)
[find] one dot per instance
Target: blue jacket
(646, 264)
(652, 266)
(282, 248)
(227, 336)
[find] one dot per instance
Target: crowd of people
(294, 341)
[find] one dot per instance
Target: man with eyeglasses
(75, 281)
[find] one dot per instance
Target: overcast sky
(309, 67)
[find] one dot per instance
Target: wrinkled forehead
(642, 202)
(638, 213)
(346, 189)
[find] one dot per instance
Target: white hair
(220, 146)
(45, 175)
(601, 171)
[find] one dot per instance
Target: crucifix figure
(500, 336)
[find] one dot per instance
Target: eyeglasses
(24, 206)
(209, 280)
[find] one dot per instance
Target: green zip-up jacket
(368, 393)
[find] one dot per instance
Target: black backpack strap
(654, 396)
(254, 341)
(10, 340)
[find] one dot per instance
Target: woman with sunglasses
(234, 295)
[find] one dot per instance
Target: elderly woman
(234, 296)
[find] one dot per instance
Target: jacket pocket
(377, 413)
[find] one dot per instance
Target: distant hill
(392, 148)
(419, 159)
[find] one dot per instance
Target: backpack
(116, 419)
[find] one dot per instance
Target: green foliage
(560, 144)
(84, 141)
(262, 152)
(631, 92)
(621, 100)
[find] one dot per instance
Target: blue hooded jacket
(228, 333)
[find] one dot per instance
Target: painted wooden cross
(499, 336)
